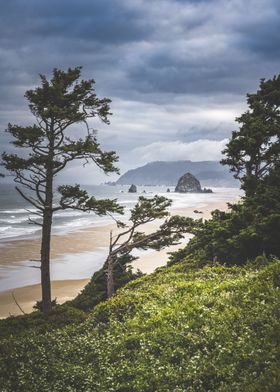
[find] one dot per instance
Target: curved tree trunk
(110, 277)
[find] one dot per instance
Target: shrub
(213, 329)
(59, 317)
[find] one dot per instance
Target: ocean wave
(81, 223)
(68, 213)
(5, 228)
(18, 211)
(13, 220)
(10, 232)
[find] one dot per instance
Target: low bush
(23, 324)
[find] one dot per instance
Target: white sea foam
(11, 233)
(69, 213)
(14, 220)
(5, 228)
(18, 211)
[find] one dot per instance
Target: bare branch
(18, 305)
(29, 199)
(33, 222)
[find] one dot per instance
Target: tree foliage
(254, 149)
(251, 227)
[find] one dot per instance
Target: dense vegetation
(96, 289)
(180, 329)
(254, 150)
(210, 321)
(59, 317)
(250, 228)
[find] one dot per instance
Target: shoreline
(89, 239)
(27, 296)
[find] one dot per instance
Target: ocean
(14, 226)
(14, 210)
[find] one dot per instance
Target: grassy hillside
(179, 329)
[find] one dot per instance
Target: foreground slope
(179, 329)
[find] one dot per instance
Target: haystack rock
(132, 189)
(189, 184)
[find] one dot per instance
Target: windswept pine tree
(146, 210)
(60, 105)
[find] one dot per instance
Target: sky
(177, 71)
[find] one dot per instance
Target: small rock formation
(189, 184)
(111, 183)
(132, 189)
(207, 190)
(168, 190)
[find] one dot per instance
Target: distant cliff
(209, 173)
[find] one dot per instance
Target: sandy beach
(85, 240)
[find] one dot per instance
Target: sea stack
(189, 184)
(132, 189)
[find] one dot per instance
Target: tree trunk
(110, 277)
(249, 181)
(45, 262)
(46, 234)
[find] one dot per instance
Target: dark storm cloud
(264, 41)
(177, 70)
(98, 20)
(229, 48)
(185, 47)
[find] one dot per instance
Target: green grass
(179, 329)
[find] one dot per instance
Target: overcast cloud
(176, 71)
